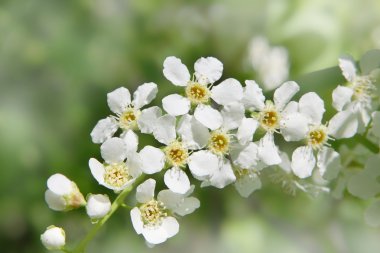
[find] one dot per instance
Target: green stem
(119, 201)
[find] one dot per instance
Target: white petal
(253, 96)
(164, 131)
(247, 184)
(53, 238)
(59, 184)
(188, 206)
(208, 116)
(97, 170)
(55, 202)
(341, 97)
(136, 220)
(175, 71)
(285, 164)
(227, 92)
(284, 93)
(148, 118)
(303, 162)
(267, 151)
(145, 191)
(347, 65)
(192, 132)
(246, 156)
(246, 130)
(134, 164)
(144, 94)
(344, 124)
(328, 162)
(312, 105)
(131, 141)
(176, 105)
(223, 176)
(152, 159)
(176, 180)
(113, 150)
(155, 235)
(171, 226)
(98, 205)
(232, 115)
(291, 107)
(203, 163)
(103, 130)
(294, 126)
(208, 70)
(118, 100)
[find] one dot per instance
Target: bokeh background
(58, 59)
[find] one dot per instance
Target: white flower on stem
(115, 173)
(54, 238)
(270, 63)
(98, 205)
(129, 115)
(353, 101)
(270, 117)
(199, 89)
(311, 106)
(177, 148)
(63, 194)
(153, 218)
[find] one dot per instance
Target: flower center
(152, 212)
(197, 93)
(219, 142)
(116, 175)
(176, 154)
(317, 137)
(128, 119)
(363, 88)
(269, 118)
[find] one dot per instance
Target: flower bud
(53, 238)
(98, 205)
(63, 194)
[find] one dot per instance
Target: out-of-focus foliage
(58, 59)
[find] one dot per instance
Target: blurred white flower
(129, 115)
(53, 238)
(153, 218)
(63, 194)
(353, 102)
(98, 205)
(270, 63)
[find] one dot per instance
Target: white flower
(53, 238)
(63, 194)
(129, 115)
(270, 117)
(311, 107)
(270, 63)
(153, 218)
(247, 181)
(116, 174)
(353, 102)
(198, 90)
(98, 205)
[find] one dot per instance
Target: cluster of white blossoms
(217, 132)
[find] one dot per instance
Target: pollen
(152, 212)
(363, 88)
(219, 142)
(128, 119)
(197, 93)
(317, 137)
(176, 154)
(116, 175)
(269, 118)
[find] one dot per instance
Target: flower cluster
(216, 132)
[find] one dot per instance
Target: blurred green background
(58, 59)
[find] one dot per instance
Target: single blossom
(54, 238)
(128, 113)
(63, 194)
(154, 218)
(98, 205)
